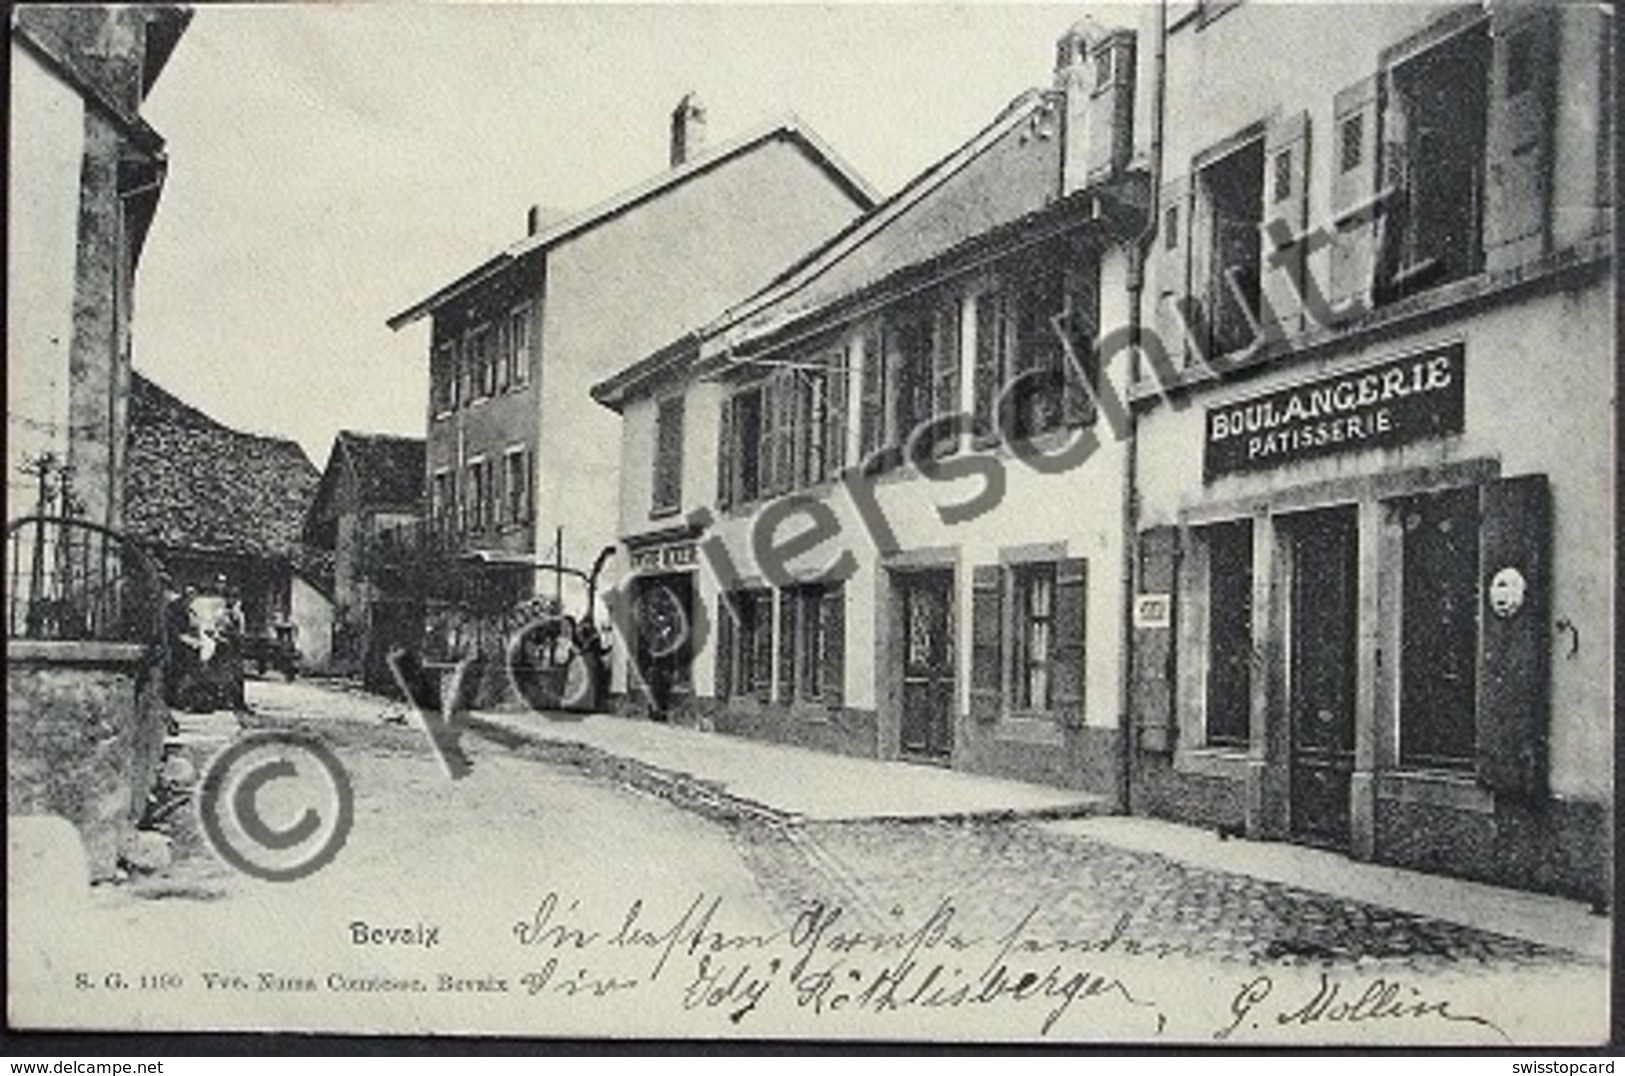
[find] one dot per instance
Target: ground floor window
(1027, 638)
(1229, 548)
(1033, 586)
(812, 625)
(1439, 629)
(745, 644)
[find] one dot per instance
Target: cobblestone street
(556, 870)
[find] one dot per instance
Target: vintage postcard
(969, 523)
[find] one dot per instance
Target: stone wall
(85, 725)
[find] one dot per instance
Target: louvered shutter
(763, 672)
(989, 352)
(872, 403)
(1519, 123)
(987, 637)
(724, 647)
(1080, 365)
(1354, 188)
(1513, 661)
(835, 425)
(834, 668)
(1071, 610)
(766, 447)
(788, 429)
(1173, 266)
(789, 604)
(1286, 216)
(945, 371)
(726, 454)
(1390, 253)
(1153, 657)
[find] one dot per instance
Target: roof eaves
(788, 126)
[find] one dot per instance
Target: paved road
(632, 914)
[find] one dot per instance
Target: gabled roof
(197, 485)
(384, 471)
(832, 271)
(789, 128)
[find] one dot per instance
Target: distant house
(372, 482)
(520, 464)
(216, 503)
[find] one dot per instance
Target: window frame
(666, 459)
(1025, 579)
(512, 512)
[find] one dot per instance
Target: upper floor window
(515, 486)
(667, 481)
(443, 378)
(910, 382)
(785, 432)
(443, 495)
(1035, 359)
(516, 353)
(1434, 145)
(480, 505)
(1230, 207)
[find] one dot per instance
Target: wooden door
(1322, 673)
(927, 665)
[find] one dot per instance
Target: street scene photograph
(1064, 525)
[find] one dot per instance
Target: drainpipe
(1138, 252)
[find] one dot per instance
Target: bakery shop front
(1343, 619)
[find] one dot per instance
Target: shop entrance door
(928, 663)
(1322, 673)
(665, 649)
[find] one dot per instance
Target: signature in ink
(1371, 1001)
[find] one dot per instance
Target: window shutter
(987, 636)
(725, 454)
(1174, 266)
(872, 406)
(1071, 609)
(724, 647)
(786, 429)
(1394, 183)
(835, 421)
(834, 668)
(1513, 658)
(788, 605)
(766, 448)
(945, 367)
(1518, 133)
(763, 673)
(989, 349)
(1080, 364)
(1286, 206)
(1153, 658)
(1354, 188)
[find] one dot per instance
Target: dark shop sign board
(681, 555)
(1380, 406)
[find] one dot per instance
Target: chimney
(687, 129)
(1094, 75)
(539, 217)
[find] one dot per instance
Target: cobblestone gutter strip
(684, 790)
(763, 834)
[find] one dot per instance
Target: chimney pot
(687, 129)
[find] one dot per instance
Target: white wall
(1540, 398)
(312, 616)
(42, 222)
